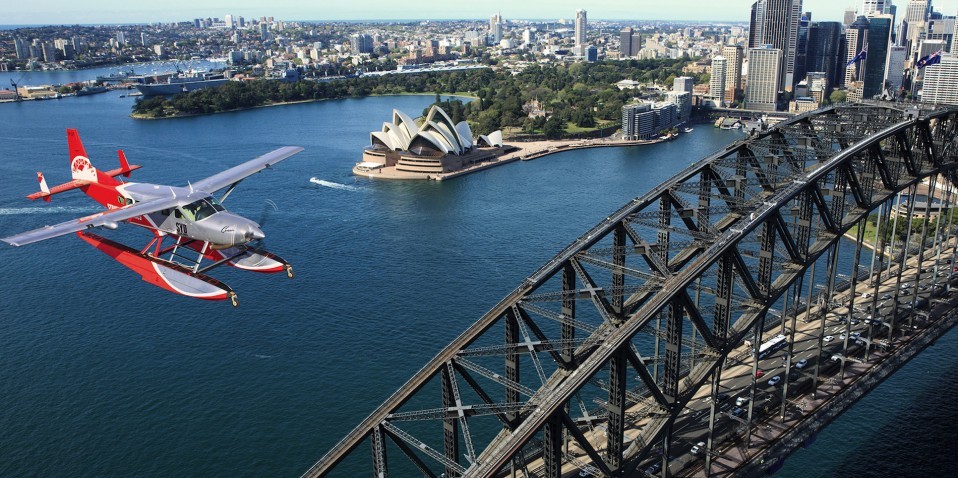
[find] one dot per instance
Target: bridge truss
(591, 363)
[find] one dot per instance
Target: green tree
(838, 96)
(553, 128)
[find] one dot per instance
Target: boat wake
(18, 211)
(330, 184)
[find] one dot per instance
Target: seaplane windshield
(203, 208)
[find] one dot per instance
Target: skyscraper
(580, 27)
(625, 42)
(824, 44)
(764, 70)
(941, 82)
(875, 6)
(856, 38)
(361, 43)
(913, 24)
(850, 16)
(894, 70)
(733, 71)
(717, 80)
(801, 47)
(496, 18)
(878, 41)
(23, 50)
(775, 23)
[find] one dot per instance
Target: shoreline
(532, 150)
(281, 103)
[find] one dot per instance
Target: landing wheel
(289, 271)
(233, 299)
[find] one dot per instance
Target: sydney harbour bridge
(708, 328)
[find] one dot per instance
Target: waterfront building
(22, 49)
(648, 119)
(762, 85)
(434, 146)
(683, 103)
(581, 24)
(824, 44)
(940, 85)
(717, 80)
(775, 23)
(733, 71)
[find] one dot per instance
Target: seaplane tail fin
(80, 165)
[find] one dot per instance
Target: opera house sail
(415, 150)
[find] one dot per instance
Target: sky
(46, 12)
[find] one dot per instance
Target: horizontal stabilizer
(46, 193)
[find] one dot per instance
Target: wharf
(521, 151)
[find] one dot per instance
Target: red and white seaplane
(200, 228)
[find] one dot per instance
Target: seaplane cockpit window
(202, 209)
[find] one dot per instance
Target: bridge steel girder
(833, 153)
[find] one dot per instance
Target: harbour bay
(101, 375)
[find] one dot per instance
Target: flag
(860, 56)
(928, 60)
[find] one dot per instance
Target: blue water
(102, 375)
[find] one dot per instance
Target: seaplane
(192, 231)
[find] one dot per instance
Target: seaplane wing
(237, 173)
(109, 218)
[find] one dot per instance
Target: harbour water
(102, 375)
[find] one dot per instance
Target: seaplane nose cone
(255, 233)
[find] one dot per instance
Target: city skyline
(55, 12)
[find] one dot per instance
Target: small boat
(687, 130)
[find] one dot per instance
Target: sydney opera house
(435, 145)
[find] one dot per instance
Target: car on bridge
(774, 380)
(698, 448)
(828, 338)
(801, 363)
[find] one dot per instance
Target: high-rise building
(942, 29)
(228, 21)
(895, 68)
(801, 47)
(647, 119)
(121, 38)
(143, 38)
(733, 71)
(762, 85)
(683, 103)
(913, 25)
(941, 82)
(497, 33)
(49, 52)
(717, 80)
(361, 43)
(580, 27)
(850, 16)
(870, 7)
(496, 18)
(856, 38)
(625, 42)
(775, 23)
(23, 50)
(683, 84)
(824, 44)
(878, 41)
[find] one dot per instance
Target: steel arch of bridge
(643, 310)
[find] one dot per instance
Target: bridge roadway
(838, 333)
